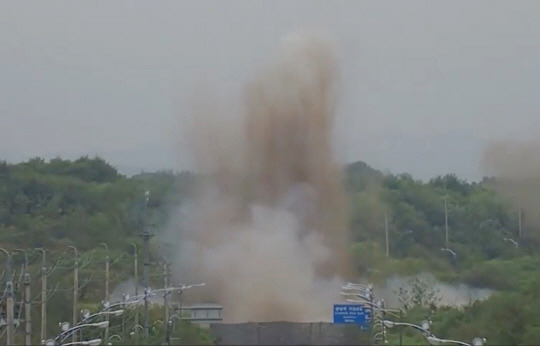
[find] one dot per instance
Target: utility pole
(136, 273)
(166, 294)
(7, 278)
(519, 223)
(107, 262)
(27, 299)
(146, 263)
(27, 311)
(75, 290)
(10, 314)
(106, 289)
(146, 235)
(386, 234)
(446, 221)
(400, 329)
(43, 296)
(43, 303)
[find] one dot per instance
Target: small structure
(203, 314)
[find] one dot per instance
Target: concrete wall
(288, 333)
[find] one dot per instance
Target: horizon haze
(426, 87)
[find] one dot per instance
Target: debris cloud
(516, 167)
(267, 229)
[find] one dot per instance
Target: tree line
(84, 202)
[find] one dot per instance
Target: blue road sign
(352, 313)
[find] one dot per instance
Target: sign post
(352, 313)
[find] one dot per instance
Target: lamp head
(64, 326)
(103, 324)
(434, 340)
(425, 325)
(388, 324)
(118, 312)
(85, 313)
(479, 341)
(94, 342)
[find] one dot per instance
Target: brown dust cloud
(267, 228)
(515, 164)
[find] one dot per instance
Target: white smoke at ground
(434, 291)
(267, 229)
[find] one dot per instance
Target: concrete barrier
(288, 333)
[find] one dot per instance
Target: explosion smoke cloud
(516, 165)
(267, 229)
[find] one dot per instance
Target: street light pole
(519, 223)
(365, 293)
(146, 235)
(27, 300)
(438, 341)
(146, 263)
(106, 272)
(8, 277)
(446, 221)
(386, 234)
(10, 314)
(400, 331)
(75, 289)
(165, 286)
(135, 268)
(10, 328)
(93, 342)
(136, 273)
(106, 287)
(424, 328)
(27, 311)
(43, 296)
(67, 330)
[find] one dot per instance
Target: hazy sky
(426, 84)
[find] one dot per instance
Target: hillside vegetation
(84, 203)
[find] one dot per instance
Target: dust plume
(516, 166)
(431, 291)
(267, 230)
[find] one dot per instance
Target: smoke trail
(267, 229)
